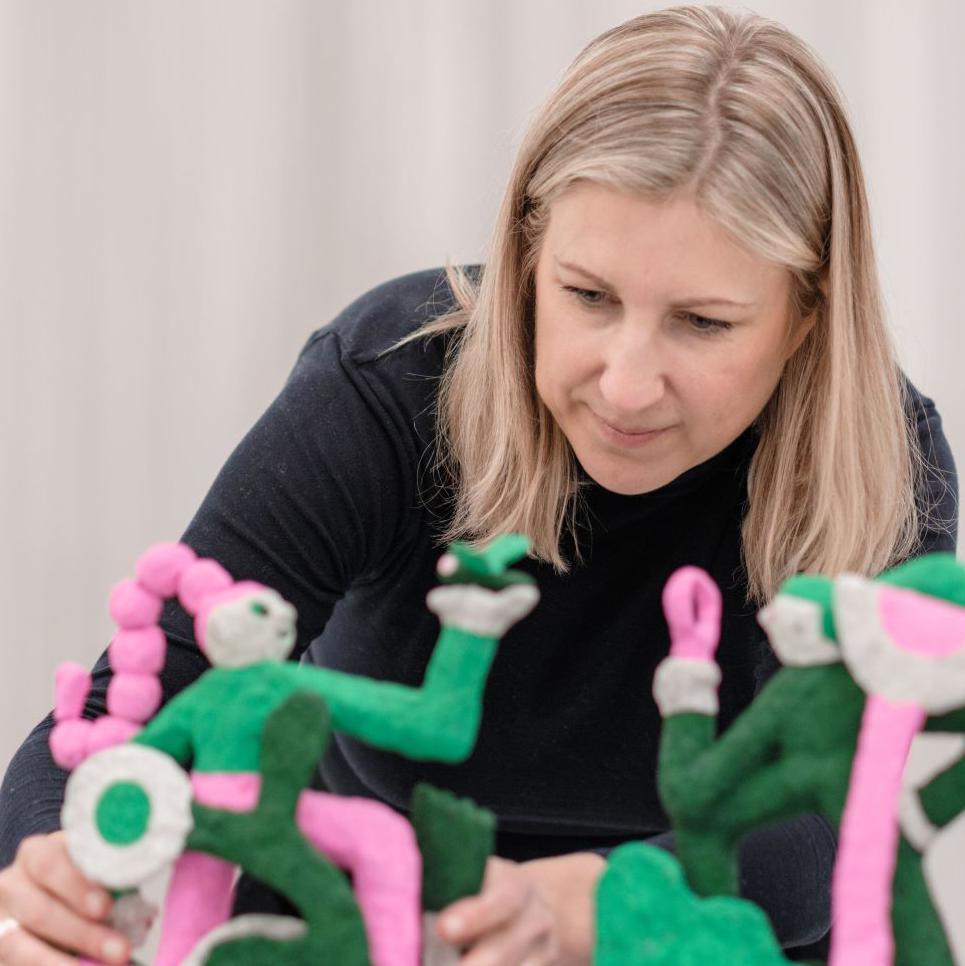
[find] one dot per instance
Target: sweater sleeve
(311, 498)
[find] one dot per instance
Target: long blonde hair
(738, 113)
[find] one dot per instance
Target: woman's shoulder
(388, 312)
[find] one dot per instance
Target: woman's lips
(614, 435)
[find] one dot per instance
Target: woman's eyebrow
(692, 300)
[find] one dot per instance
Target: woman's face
(658, 339)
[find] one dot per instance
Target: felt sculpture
(252, 729)
(648, 915)
(867, 664)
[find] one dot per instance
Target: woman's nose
(633, 380)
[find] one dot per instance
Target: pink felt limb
(70, 742)
(160, 567)
(141, 650)
(199, 898)
(71, 686)
(108, 731)
(134, 696)
(692, 607)
(203, 577)
(861, 887)
(378, 847)
(132, 605)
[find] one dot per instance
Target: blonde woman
(674, 354)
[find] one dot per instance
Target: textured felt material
(647, 916)
(791, 753)
(268, 844)
(98, 798)
(456, 837)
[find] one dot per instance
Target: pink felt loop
(692, 607)
(131, 605)
(108, 731)
(160, 567)
(69, 742)
(203, 577)
(71, 687)
(134, 696)
(140, 650)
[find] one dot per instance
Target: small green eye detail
(259, 609)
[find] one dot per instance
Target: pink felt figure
(368, 839)
(907, 652)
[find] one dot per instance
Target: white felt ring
(168, 791)
(281, 928)
(684, 685)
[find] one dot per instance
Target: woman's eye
(259, 609)
(703, 324)
(586, 296)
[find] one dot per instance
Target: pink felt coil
(160, 568)
(72, 683)
(140, 650)
(132, 606)
(134, 696)
(69, 742)
(203, 577)
(692, 606)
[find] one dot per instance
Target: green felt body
(647, 916)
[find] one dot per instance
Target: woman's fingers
(55, 906)
(19, 948)
(507, 924)
(47, 862)
(502, 893)
(45, 916)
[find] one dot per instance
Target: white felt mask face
(257, 627)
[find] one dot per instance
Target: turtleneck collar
(610, 506)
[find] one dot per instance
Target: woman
(674, 354)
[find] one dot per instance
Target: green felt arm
(697, 774)
(438, 721)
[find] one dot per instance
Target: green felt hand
(486, 567)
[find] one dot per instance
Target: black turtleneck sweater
(329, 499)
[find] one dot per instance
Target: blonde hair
(738, 113)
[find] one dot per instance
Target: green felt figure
(648, 916)
(250, 719)
(791, 751)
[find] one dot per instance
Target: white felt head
(256, 626)
(795, 628)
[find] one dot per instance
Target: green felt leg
(943, 798)
(267, 844)
(455, 837)
(709, 861)
(919, 934)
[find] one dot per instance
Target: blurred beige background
(189, 187)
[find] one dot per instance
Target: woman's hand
(56, 907)
(534, 913)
